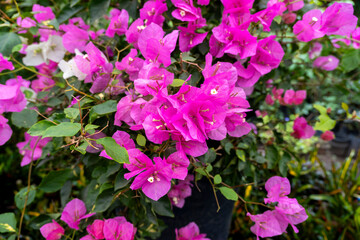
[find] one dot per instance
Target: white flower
(34, 55)
(53, 49)
(70, 69)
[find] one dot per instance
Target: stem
(13, 71)
(28, 187)
(17, 8)
(213, 187)
(73, 235)
(78, 91)
(29, 69)
(45, 117)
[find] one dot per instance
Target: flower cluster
(290, 97)
(109, 229)
(338, 19)
(190, 232)
(288, 211)
(180, 191)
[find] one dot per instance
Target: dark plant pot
(201, 208)
(347, 138)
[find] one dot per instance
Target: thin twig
(28, 187)
(78, 91)
(45, 117)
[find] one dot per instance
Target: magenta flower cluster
(287, 211)
(109, 229)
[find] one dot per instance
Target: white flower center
(150, 179)
(182, 13)
(214, 91)
(314, 19)
(175, 200)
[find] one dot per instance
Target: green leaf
(104, 200)
(321, 109)
(67, 12)
(40, 127)
(24, 119)
(357, 219)
(90, 127)
(201, 171)
(120, 181)
(114, 150)
(240, 154)
(141, 140)
(177, 82)
(21, 195)
(17, 48)
(325, 123)
(55, 180)
(71, 113)
(102, 109)
(217, 179)
(7, 222)
(8, 40)
(350, 60)
(98, 9)
(272, 156)
(277, 19)
(346, 109)
(229, 193)
(64, 129)
(162, 207)
(209, 156)
(283, 167)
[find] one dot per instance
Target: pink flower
(52, 231)
(118, 23)
(338, 19)
(266, 16)
(155, 182)
(327, 136)
(26, 22)
(5, 64)
(5, 130)
(189, 38)
(74, 212)
(309, 28)
(289, 17)
(203, 2)
(155, 46)
(179, 192)
(269, 100)
(27, 147)
(268, 55)
(185, 10)
(133, 33)
(294, 98)
(301, 129)
(294, 5)
(277, 187)
(42, 13)
(356, 35)
(327, 63)
(75, 38)
(315, 50)
(95, 229)
(11, 97)
(266, 224)
(118, 229)
(131, 64)
(190, 232)
(152, 12)
(291, 212)
(179, 165)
